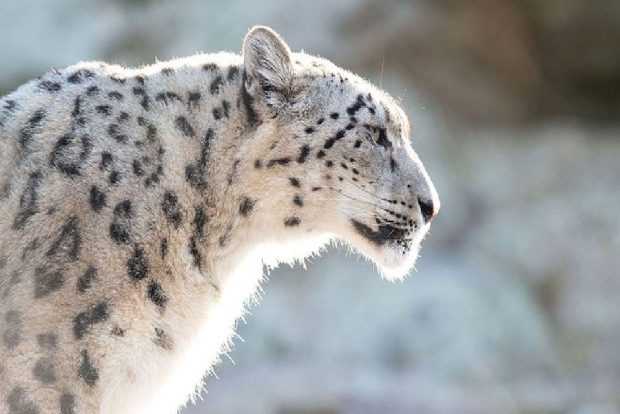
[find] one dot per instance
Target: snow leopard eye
(376, 135)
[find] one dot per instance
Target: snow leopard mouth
(384, 233)
(393, 248)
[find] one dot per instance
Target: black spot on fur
(87, 370)
(138, 170)
(80, 75)
(7, 110)
(9, 105)
(69, 240)
(331, 141)
(304, 152)
(84, 321)
(210, 67)
(292, 221)
(116, 95)
(185, 127)
(358, 143)
(77, 103)
(163, 248)
(226, 108)
(114, 131)
(104, 110)
(70, 153)
(163, 340)
(225, 238)
(334, 115)
(167, 71)
(118, 331)
(137, 265)
(200, 220)
(216, 85)
(92, 91)
(383, 139)
(44, 371)
(168, 97)
(217, 113)
(157, 295)
(298, 200)
(193, 250)
(309, 130)
(320, 121)
(50, 86)
(193, 99)
(258, 164)
(19, 403)
(97, 199)
(12, 335)
(138, 91)
(171, 209)
(28, 200)
(151, 133)
(47, 282)
(195, 173)
(145, 102)
(393, 164)
(115, 177)
(33, 126)
(67, 404)
(248, 103)
(294, 182)
(246, 206)
(124, 116)
(233, 73)
(106, 160)
(47, 341)
(320, 154)
(359, 104)
(121, 222)
(85, 281)
(279, 161)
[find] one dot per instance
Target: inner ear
(268, 63)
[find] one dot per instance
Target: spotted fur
(138, 206)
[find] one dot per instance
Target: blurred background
(515, 107)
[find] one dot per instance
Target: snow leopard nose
(428, 208)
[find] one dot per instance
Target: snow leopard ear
(268, 65)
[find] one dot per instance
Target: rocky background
(515, 106)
